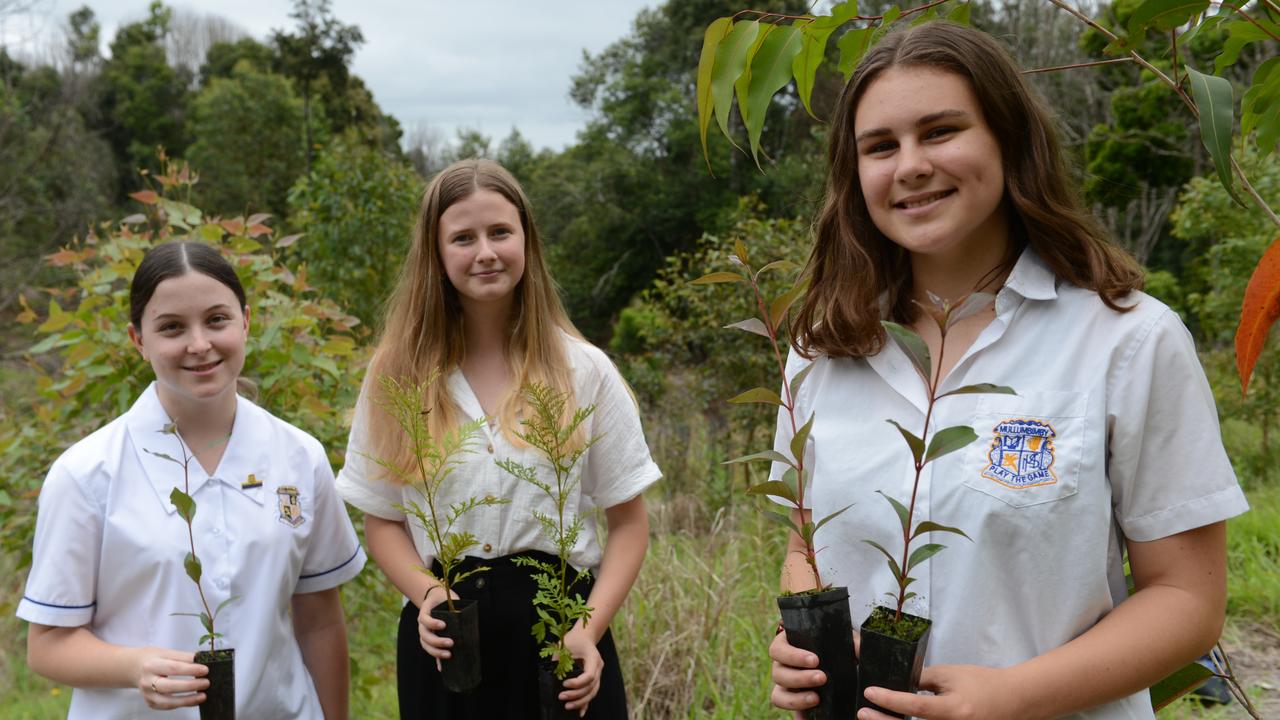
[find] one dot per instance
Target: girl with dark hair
(476, 303)
(946, 178)
(108, 592)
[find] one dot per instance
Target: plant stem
(1073, 66)
(445, 566)
(191, 538)
(1240, 11)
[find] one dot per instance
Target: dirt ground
(1254, 651)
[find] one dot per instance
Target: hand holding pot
(436, 646)
(580, 690)
(960, 692)
(159, 678)
(795, 674)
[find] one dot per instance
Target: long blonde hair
(422, 326)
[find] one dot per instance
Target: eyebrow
(211, 308)
(924, 120)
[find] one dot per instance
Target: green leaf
(913, 345)
(773, 488)
(903, 513)
(979, 389)
(922, 553)
(718, 277)
(758, 395)
(813, 49)
(781, 304)
(931, 526)
(915, 443)
(742, 86)
(831, 517)
(1240, 34)
(959, 14)
(1164, 15)
(1260, 107)
(731, 62)
(770, 72)
(893, 564)
(1214, 101)
(798, 379)
(716, 32)
(751, 325)
(778, 265)
(207, 622)
(853, 45)
(784, 520)
(183, 503)
(1181, 682)
(192, 565)
(806, 532)
(948, 440)
(800, 438)
(770, 455)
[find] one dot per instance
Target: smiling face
(482, 249)
(930, 166)
(193, 332)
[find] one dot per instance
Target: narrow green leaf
(1260, 107)
(207, 622)
(903, 513)
(758, 395)
(192, 565)
(800, 438)
(742, 86)
(798, 380)
(740, 252)
(813, 49)
(931, 526)
(922, 553)
(1181, 682)
(779, 265)
(960, 14)
(770, 72)
(781, 304)
(831, 517)
(806, 533)
(770, 455)
(853, 45)
(773, 488)
(979, 389)
(790, 477)
(751, 325)
(915, 443)
(782, 518)
(716, 32)
(718, 277)
(893, 564)
(1241, 34)
(913, 345)
(731, 62)
(1214, 101)
(948, 440)
(1164, 15)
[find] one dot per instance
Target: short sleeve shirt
(616, 468)
(1112, 436)
(109, 551)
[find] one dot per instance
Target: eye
(461, 238)
(939, 132)
(880, 147)
(501, 232)
(169, 328)
(219, 319)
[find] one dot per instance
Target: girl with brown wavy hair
(476, 303)
(946, 178)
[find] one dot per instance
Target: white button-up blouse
(1112, 435)
(109, 550)
(616, 468)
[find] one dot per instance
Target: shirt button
(480, 583)
(490, 448)
(488, 547)
(217, 531)
(222, 583)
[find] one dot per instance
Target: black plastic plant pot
(820, 623)
(549, 689)
(892, 654)
(461, 672)
(220, 698)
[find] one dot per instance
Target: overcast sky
(485, 64)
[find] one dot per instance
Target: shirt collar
(245, 453)
(1032, 278)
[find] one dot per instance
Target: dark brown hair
(175, 259)
(853, 264)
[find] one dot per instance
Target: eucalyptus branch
(1073, 66)
(1248, 18)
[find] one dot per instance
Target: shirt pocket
(1029, 447)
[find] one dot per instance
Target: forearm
(797, 576)
(392, 549)
(321, 632)
(624, 551)
(77, 657)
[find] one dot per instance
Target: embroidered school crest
(1022, 454)
(290, 508)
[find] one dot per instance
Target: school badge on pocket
(1022, 454)
(290, 508)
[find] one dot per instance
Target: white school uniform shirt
(616, 468)
(109, 550)
(1113, 435)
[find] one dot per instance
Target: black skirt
(508, 651)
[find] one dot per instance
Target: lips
(921, 200)
(202, 368)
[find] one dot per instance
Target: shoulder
(92, 459)
(280, 436)
(590, 364)
(1145, 318)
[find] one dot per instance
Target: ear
(245, 311)
(135, 337)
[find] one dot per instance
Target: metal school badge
(1021, 454)
(290, 508)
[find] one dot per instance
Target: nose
(484, 251)
(199, 342)
(913, 163)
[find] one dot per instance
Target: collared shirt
(616, 468)
(1112, 435)
(109, 551)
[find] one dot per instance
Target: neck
(200, 418)
(484, 328)
(952, 277)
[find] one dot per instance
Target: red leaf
(288, 240)
(258, 229)
(148, 197)
(257, 218)
(1259, 312)
(65, 257)
(233, 226)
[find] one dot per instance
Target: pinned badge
(251, 482)
(290, 508)
(1022, 454)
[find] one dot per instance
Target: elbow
(37, 650)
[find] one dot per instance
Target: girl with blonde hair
(476, 303)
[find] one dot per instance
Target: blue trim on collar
(333, 569)
(63, 607)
